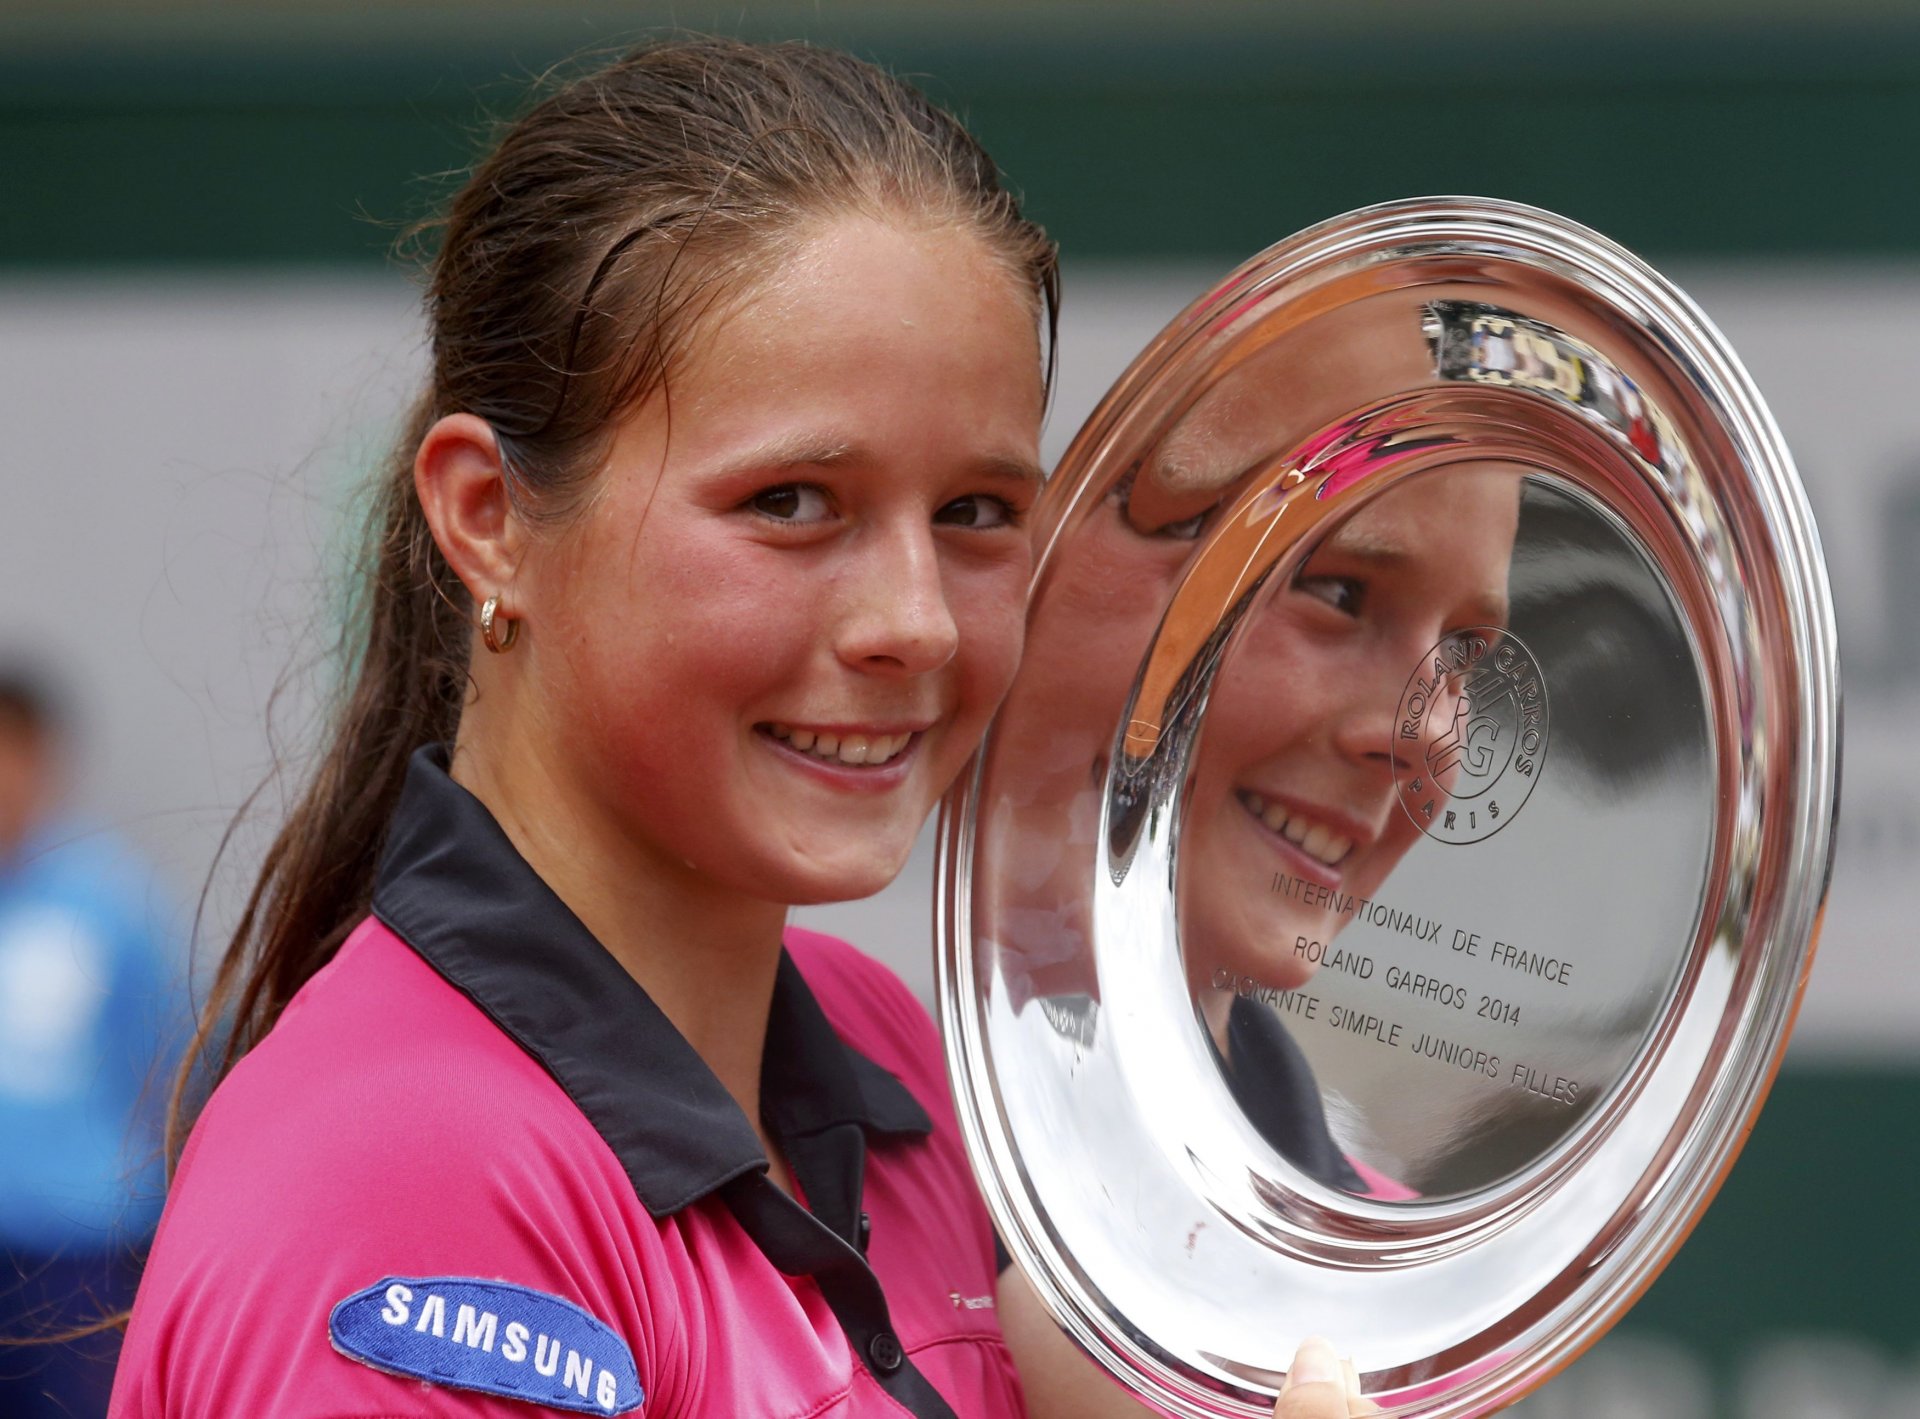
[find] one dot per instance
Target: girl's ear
(462, 488)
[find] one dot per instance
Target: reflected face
(1293, 790)
(1292, 774)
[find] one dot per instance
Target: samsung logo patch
(490, 1336)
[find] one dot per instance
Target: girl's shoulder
(378, 1058)
(384, 1131)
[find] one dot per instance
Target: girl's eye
(1344, 594)
(792, 502)
(977, 510)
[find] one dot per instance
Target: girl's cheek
(992, 593)
(1004, 642)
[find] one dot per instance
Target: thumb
(1316, 1386)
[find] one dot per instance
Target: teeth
(1316, 840)
(849, 749)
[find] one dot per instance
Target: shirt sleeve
(327, 1166)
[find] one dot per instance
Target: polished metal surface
(1379, 908)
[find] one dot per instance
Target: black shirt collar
(451, 885)
(1270, 1078)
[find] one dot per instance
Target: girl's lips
(1317, 845)
(850, 746)
(870, 759)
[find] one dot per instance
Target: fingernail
(1353, 1378)
(1316, 1364)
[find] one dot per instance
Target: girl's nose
(1387, 701)
(1428, 725)
(1364, 724)
(895, 618)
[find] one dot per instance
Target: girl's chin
(1252, 972)
(846, 878)
(1259, 952)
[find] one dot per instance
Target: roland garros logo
(1470, 735)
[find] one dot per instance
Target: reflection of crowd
(85, 977)
(1487, 345)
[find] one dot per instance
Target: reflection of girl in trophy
(1292, 808)
(1293, 819)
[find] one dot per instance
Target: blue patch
(490, 1336)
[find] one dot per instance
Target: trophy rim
(1764, 996)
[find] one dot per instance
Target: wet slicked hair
(567, 275)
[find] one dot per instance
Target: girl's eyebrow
(803, 449)
(1372, 549)
(1013, 468)
(790, 451)
(1366, 545)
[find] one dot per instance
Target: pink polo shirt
(471, 1093)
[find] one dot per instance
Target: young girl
(698, 576)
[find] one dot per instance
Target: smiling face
(778, 629)
(1292, 772)
(1295, 772)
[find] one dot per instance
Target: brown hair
(570, 270)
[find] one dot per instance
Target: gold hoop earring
(495, 642)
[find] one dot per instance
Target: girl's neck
(707, 957)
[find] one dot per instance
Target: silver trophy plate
(1379, 908)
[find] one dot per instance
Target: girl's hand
(1321, 1386)
(1062, 1383)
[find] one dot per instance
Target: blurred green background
(164, 160)
(214, 133)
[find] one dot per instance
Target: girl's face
(1294, 773)
(1295, 777)
(777, 631)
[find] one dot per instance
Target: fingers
(1357, 1405)
(1321, 1386)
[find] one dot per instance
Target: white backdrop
(182, 454)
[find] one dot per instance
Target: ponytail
(410, 623)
